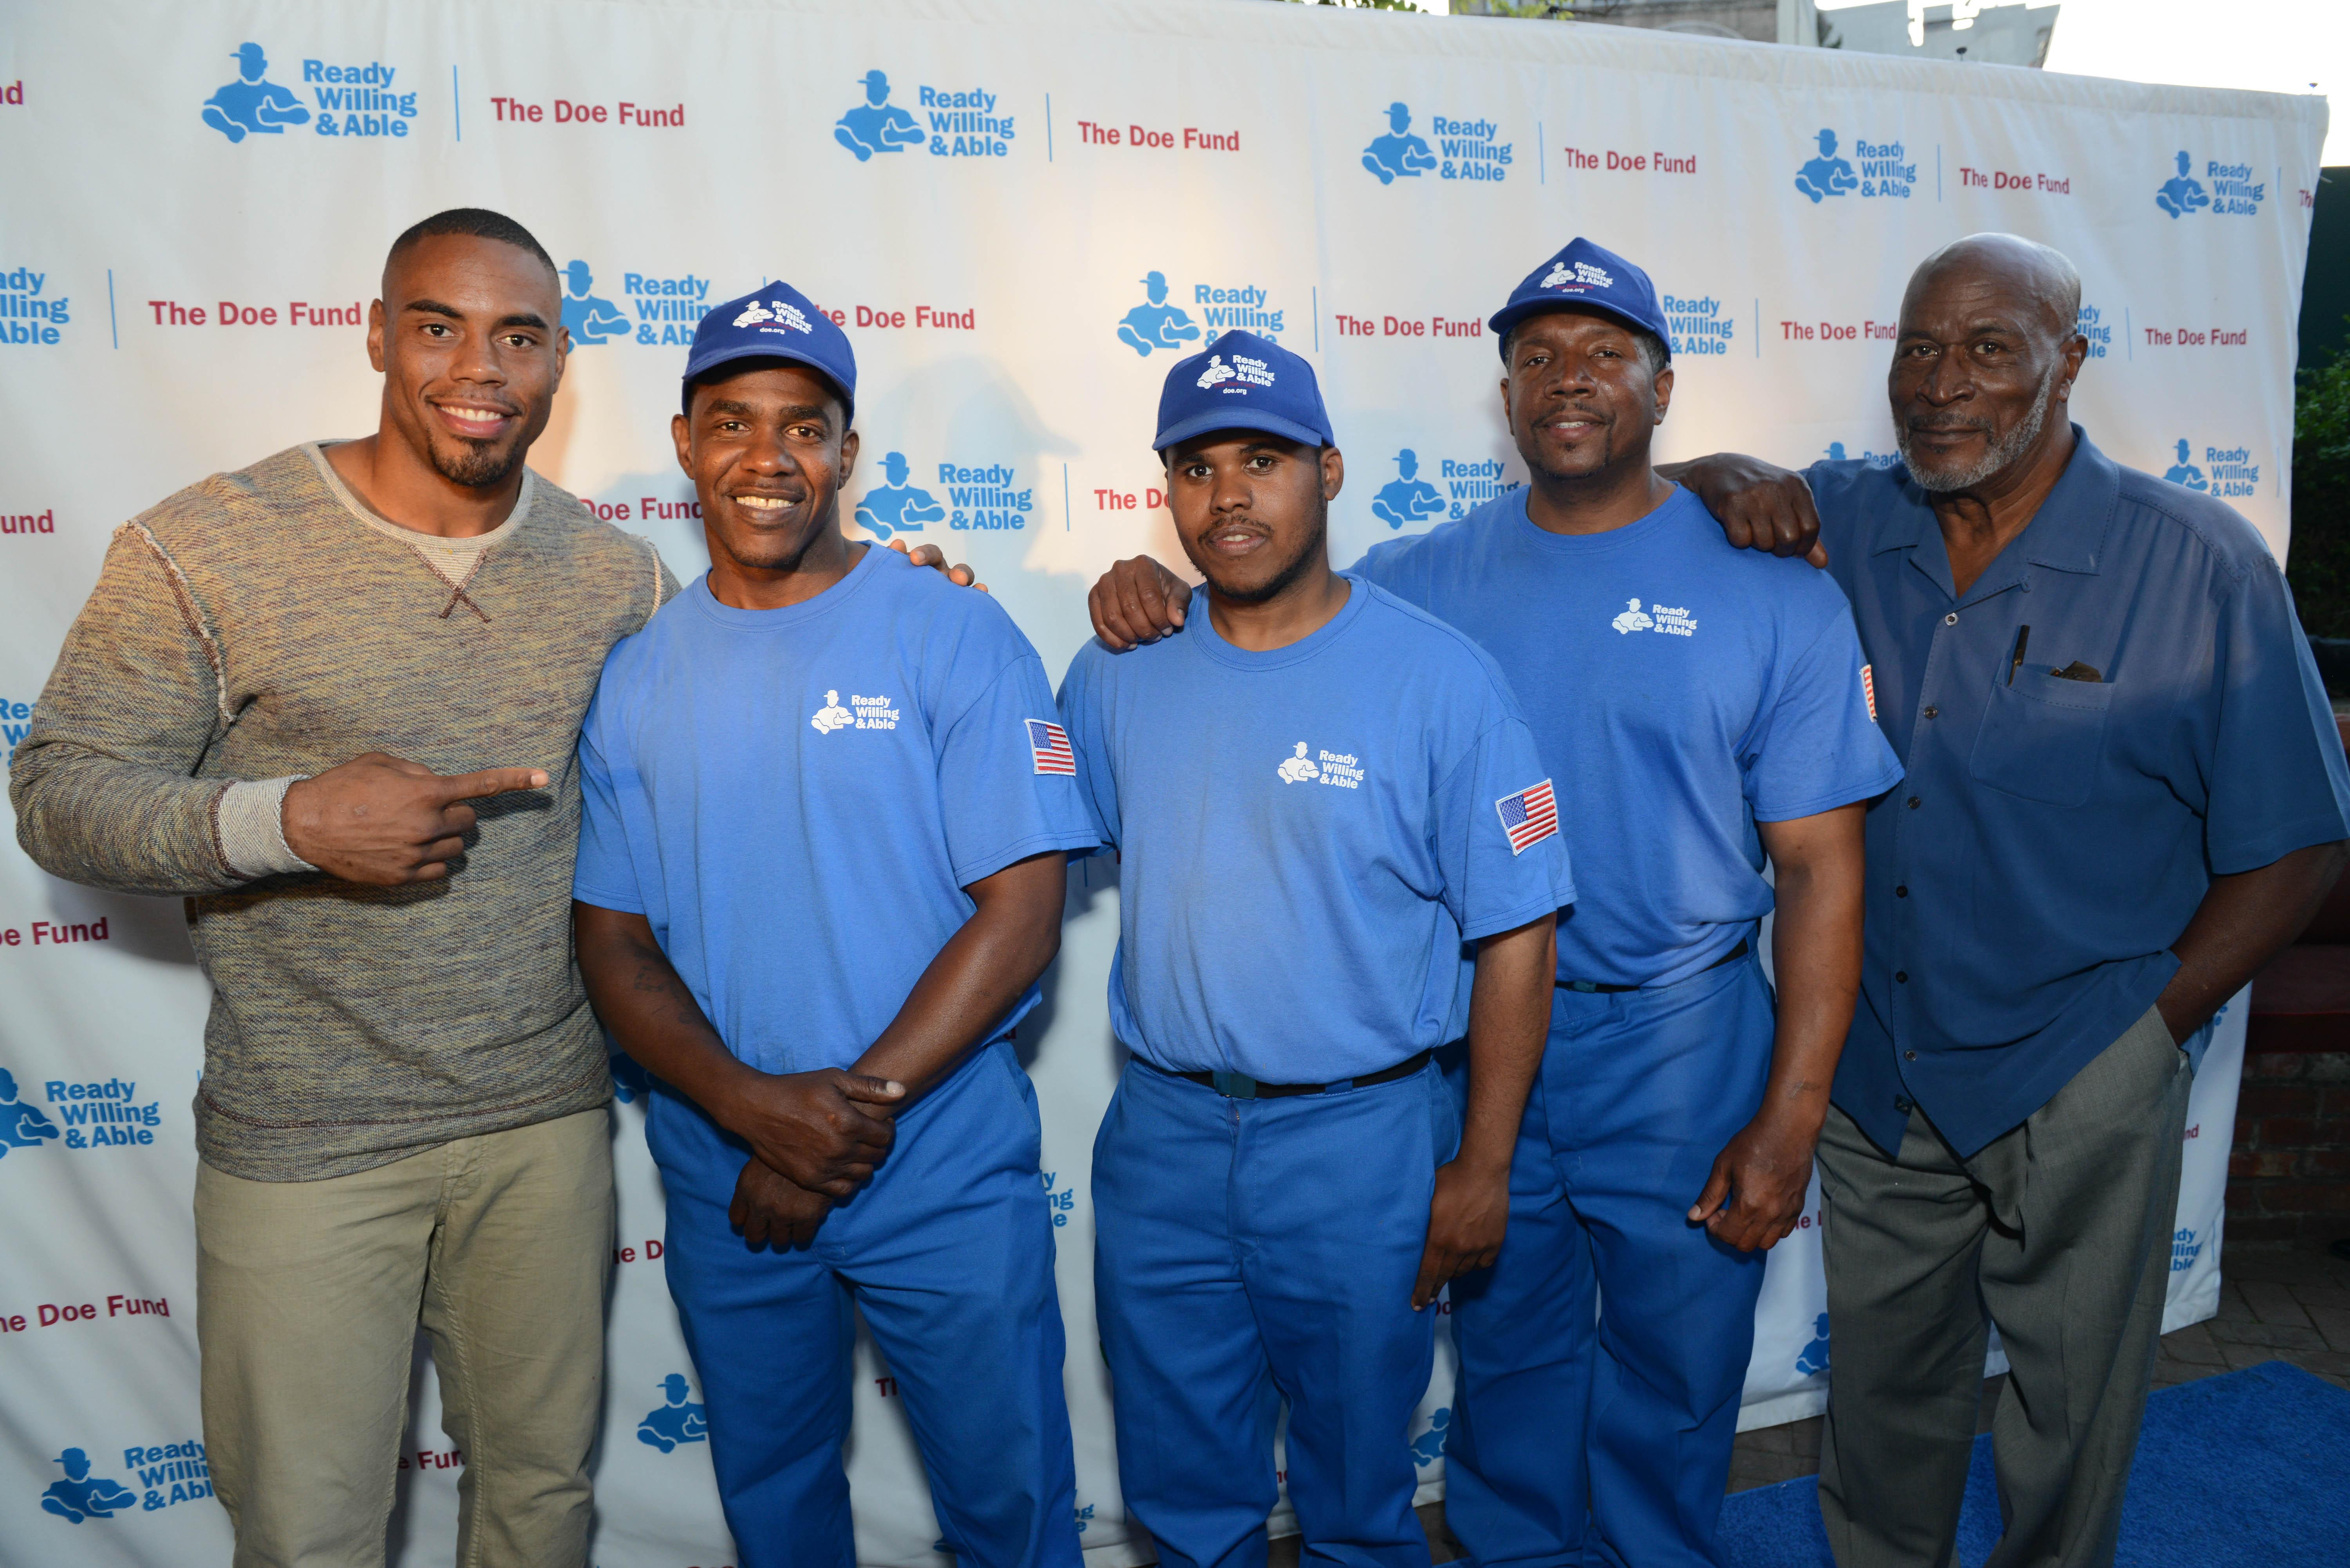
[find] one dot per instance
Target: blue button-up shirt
(2054, 836)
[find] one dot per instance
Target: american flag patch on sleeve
(1048, 744)
(1528, 817)
(1869, 688)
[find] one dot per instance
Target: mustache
(1946, 423)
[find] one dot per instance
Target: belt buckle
(1233, 1085)
(1587, 986)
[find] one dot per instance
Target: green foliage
(2318, 560)
(1363, 5)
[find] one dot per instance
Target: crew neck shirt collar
(1628, 535)
(471, 543)
(825, 603)
(1213, 645)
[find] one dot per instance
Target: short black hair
(1653, 352)
(473, 223)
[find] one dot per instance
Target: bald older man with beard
(2125, 793)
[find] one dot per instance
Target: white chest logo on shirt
(1339, 769)
(1655, 617)
(832, 715)
(871, 713)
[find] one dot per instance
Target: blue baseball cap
(1589, 278)
(1243, 382)
(774, 321)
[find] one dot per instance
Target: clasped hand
(815, 1137)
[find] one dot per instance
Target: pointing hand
(386, 821)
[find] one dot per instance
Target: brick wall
(2289, 1176)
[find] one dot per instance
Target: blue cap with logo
(1588, 277)
(774, 321)
(1243, 382)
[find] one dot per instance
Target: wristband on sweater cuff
(253, 828)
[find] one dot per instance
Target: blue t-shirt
(1307, 836)
(1680, 691)
(796, 798)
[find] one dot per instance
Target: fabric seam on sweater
(651, 550)
(212, 817)
(187, 599)
(457, 584)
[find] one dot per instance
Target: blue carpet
(2248, 1469)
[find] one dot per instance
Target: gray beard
(2000, 454)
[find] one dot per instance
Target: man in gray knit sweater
(284, 689)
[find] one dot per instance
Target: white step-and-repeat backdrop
(1022, 211)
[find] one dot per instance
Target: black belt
(1241, 1086)
(1606, 990)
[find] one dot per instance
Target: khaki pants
(308, 1298)
(2059, 1231)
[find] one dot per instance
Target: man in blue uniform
(821, 867)
(2126, 792)
(1703, 710)
(1319, 796)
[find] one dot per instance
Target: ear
(849, 448)
(1664, 385)
(1333, 472)
(375, 336)
(2077, 354)
(679, 432)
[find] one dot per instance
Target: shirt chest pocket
(2044, 737)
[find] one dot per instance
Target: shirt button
(1912, 1055)
(1952, 618)
(1903, 1104)
(1932, 711)
(1901, 892)
(1912, 803)
(1901, 977)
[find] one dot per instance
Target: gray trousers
(2059, 1232)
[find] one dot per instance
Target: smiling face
(1251, 509)
(768, 449)
(1579, 395)
(1987, 354)
(469, 337)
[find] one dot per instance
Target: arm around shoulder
(1760, 505)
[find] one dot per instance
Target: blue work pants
(1253, 1251)
(948, 1254)
(1577, 1441)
